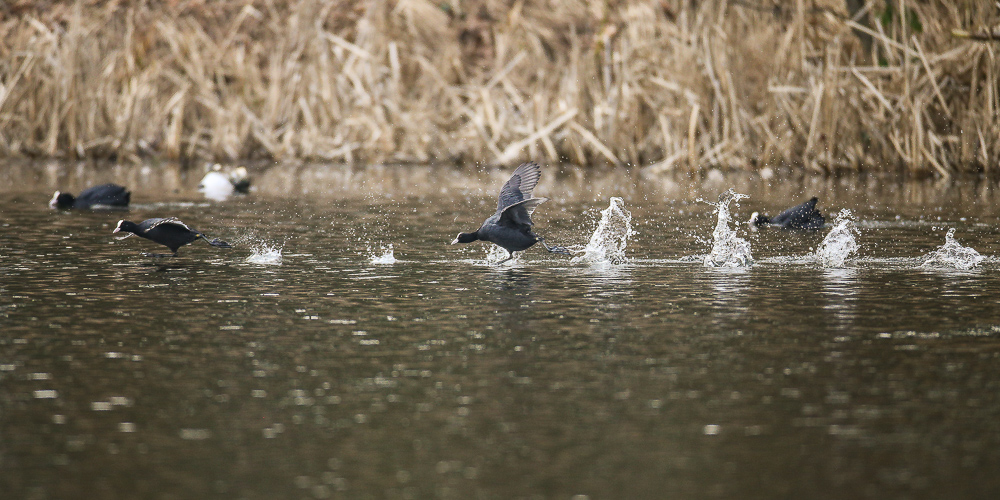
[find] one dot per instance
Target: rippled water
(343, 349)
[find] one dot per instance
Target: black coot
(170, 232)
(510, 226)
(804, 216)
(105, 195)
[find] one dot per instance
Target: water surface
(309, 362)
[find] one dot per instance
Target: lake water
(311, 361)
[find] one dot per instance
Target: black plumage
(105, 195)
(803, 216)
(169, 232)
(510, 226)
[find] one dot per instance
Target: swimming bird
(219, 185)
(105, 195)
(169, 232)
(510, 226)
(804, 216)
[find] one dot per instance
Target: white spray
(953, 255)
(608, 243)
(728, 249)
(840, 243)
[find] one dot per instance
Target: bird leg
(554, 249)
(510, 255)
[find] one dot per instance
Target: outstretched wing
(168, 220)
(520, 212)
(518, 188)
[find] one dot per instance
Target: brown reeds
(825, 85)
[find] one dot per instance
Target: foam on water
(840, 243)
(608, 242)
(728, 249)
(384, 258)
(265, 254)
(953, 255)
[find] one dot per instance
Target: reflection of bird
(105, 195)
(169, 232)
(804, 216)
(510, 226)
(219, 185)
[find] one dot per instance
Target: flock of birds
(510, 227)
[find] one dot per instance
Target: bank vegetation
(821, 85)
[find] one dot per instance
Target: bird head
(61, 200)
(465, 238)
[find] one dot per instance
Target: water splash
(495, 253)
(953, 255)
(840, 243)
(608, 243)
(265, 254)
(384, 258)
(728, 249)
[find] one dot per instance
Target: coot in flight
(169, 232)
(510, 226)
(105, 195)
(804, 216)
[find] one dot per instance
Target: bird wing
(518, 188)
(168, 220)
(520, 212)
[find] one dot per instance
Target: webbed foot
(554, 249)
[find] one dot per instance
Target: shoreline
(562, 183)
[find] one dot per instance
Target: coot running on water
(169, 232)
(105, 195)
(804, 216)
(510, 226)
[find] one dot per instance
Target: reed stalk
(821, 85)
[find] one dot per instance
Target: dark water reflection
(441, 376)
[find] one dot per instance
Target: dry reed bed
(664, 84)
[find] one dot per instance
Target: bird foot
(511, 256)
(554, 249)
(559, 250)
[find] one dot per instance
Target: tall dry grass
(827, 85)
